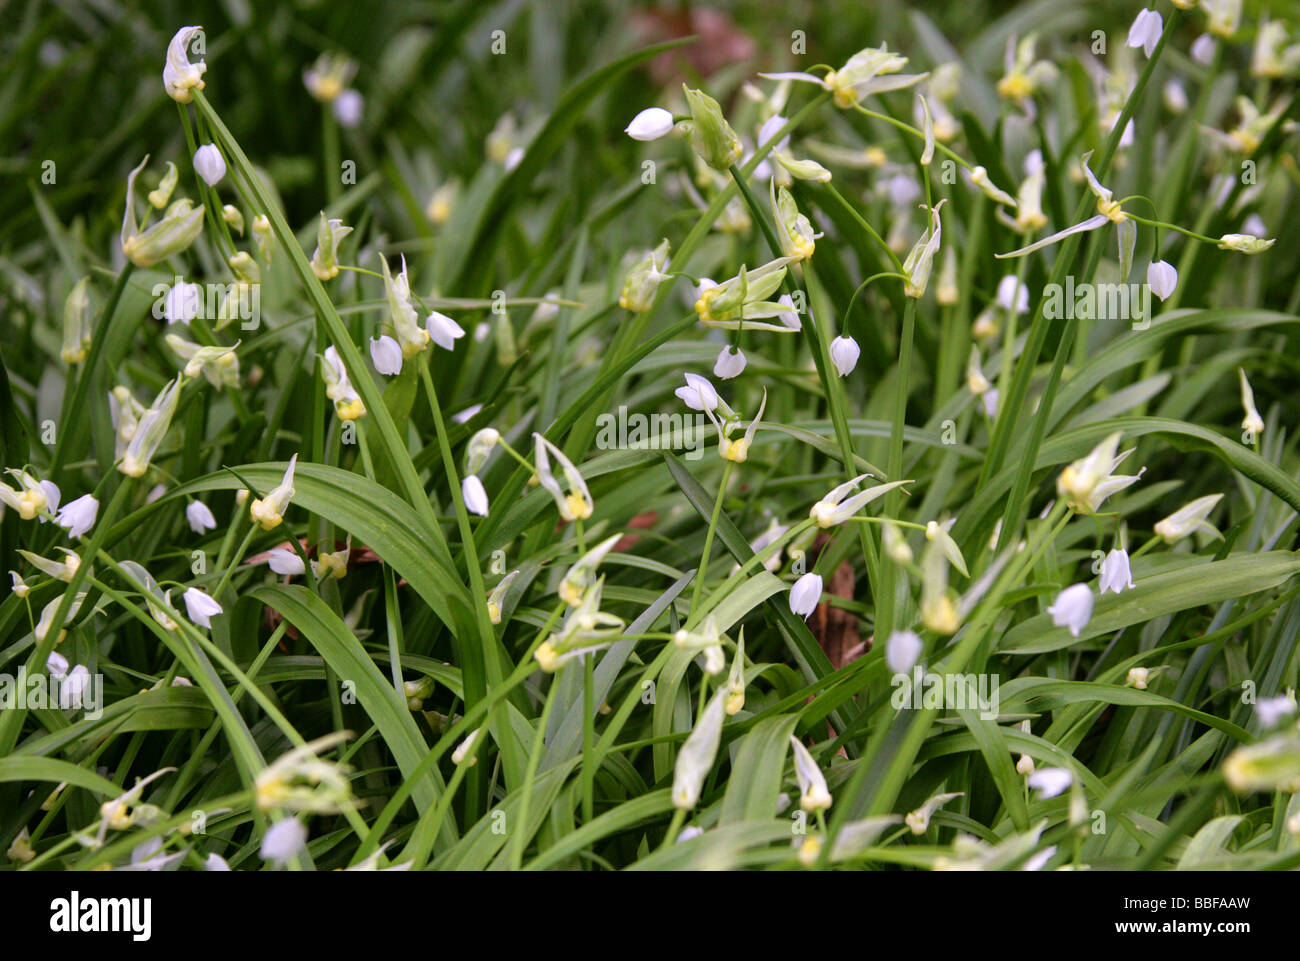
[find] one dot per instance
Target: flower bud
(77, 324)
(710, 135)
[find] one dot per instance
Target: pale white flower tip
(73, 686)
(199, 517)
(805, 594)
(57, 665)
(285, 562)
(348, 107)
(386, 355)
(730, 363)
(650, 124)
(1050, 781)
(1145, 31)
(1073, 608)
(209, 164)
(1116, 574)
(902, 651)
(476, 499)
(844, 354)
(215, 862)
(698, 394)
(78, 516)
(181, 305)
(283, 841)
(443, 330)
(200, 607)
(1273, 710)
(1162, 278)
(1013, 294)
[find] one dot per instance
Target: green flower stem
(727, 468)
(518, 837)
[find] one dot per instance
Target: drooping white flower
(182, 303)
(476, 499)
(1252, 422)
(650, 124)
(200, 606)
(1145, 32)
(348, 108)
(730, 363)
(209, 164)
(179, 75)
(844, 354)
(285, 562)
(902, 651)
(464, 748)
(386, 355)
(1050, 781)
(1273, 710)
(215, 862)
(813, 793)
(283, 841)
(1013, 294)
(1115, 572)
(78, 516)
(1073, 608)
(72, 688)
(199, 517)
(1162, 278)
(1202, 49)
(1174, 95)
(443, 331)
(805, 594)
(1186, 519)
(697, 754)
(56, 665)
(698, 394)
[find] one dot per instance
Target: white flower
(730, 363)
(209, 164)
(1203, 49)
(650, 124)
(78, 516)
(844, 354)
(805, 594)
(348, 107)
(199, 517)
(689, 834)
(179, 75)
(1252, 422)
(837, 507)
(476, 499)
(463, 749)
(386, 355)
(443, 330)
(57, 665)
(1186, 519)
(1115, 572)
(1245, 243)
(73, 687)
(1138, 678)
(814, 795)
(1162, 278)
(1272, 710)
(1073, 608)
(200, 607)
(182, 303)
(789, 317)
(283, 841)
(902, 651)
(1013, 294)
(698, 394)
(285, 562)
(215, 862)
(577, 503)
(695, 759)
(1145, 32)
(1050, 781)
(1175, 97)
(1087, 482)
(269, 511)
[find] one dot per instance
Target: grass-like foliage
(589, 436)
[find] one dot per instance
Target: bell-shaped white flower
(1162, 278)
(1186, 519)
(443, 330)
(386, 355)
(805, 594)
(269, 511)
(730, 363)
(78, 516)
(209, 164)
(199, 517)
(72, 688)
(200, 607)
(179, 75)
(813, 793)
(1073, 608)
(1145, 32)
(1271, 711)
(284, 840)
(844, 354)
(1050, 781)
(476, 499)
(182, 303)
(464, 748)
(348, 108)
(650, 124)
(698, 394)
(285, 562)
(698, 752)
(1252, 421)
(1012, 294)
(1115, 572)
(902, 651)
